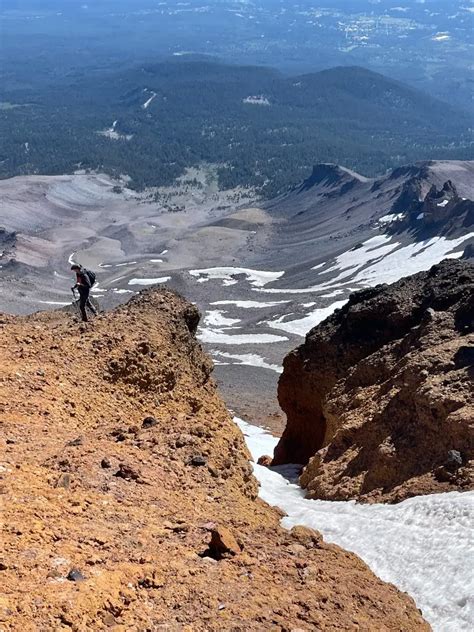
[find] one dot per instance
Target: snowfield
(257, 278)
(250, 304)
(149, 281)
(221, 338)
(216, 318)
(248, 359)
(379, 260)
(423, 545)
(301, 326)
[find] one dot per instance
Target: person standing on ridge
(84, 281)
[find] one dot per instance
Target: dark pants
(84, 301)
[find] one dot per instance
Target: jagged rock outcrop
(381, 393)
(468, 251)
(438, 205)
(128, 501)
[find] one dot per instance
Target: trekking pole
(75, 300)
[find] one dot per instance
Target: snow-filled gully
(423, 545)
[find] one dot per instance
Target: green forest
(263, 129)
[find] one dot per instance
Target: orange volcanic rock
(380, 397)
(120, 463)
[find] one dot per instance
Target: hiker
(84, 281)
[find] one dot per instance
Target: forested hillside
(262, 128)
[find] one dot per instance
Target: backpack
(91, 276)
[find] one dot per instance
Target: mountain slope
(262, 273)
(128, 500)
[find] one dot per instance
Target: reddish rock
(223, 543)
(137, 543)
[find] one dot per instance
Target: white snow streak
(422, 545)
(216, 337)
(216, 318)
(147, 103)
(258, 278)
(250, 304)
(149, 281)
(409, 260)
(301, 326)
(247, 359)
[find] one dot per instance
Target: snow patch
(256, 100)
(422, 545)
(250, 304)
(388, 219)
(376, 261)
(301, 326)
(149, 281)
(410, 260)
(215, 337)
(248, 359)
(441, 37)
(258, 278)
(147, 103)
(216, 318)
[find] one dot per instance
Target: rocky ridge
(379, 398)
(128, 501)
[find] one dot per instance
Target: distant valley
(263, 130)
(263, 273)
(425, 43)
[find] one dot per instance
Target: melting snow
(256, 100)
(218, 326)
(147, 103)
(215, 318)
(301, 326)
(333, 294)
(443, 203)
(149, 281)
(248, 359)
(388, 219)
(216, 337)
(258, 278)
(377, 261)
(250, 304)
(409, 260)
(441, 37)
(422, 545)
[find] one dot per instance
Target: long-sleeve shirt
(82, 279)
